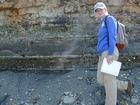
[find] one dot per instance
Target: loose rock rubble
(77, 87)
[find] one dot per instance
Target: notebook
(112, 69)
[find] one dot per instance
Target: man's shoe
(130, 88)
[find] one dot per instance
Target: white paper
(113, 68)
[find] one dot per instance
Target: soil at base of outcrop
(77, 87)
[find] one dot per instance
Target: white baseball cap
(100, 5)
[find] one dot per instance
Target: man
(106, 48)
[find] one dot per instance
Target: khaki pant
(110, 82)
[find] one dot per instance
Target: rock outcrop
(23, 46)
(57, 13)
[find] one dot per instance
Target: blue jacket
(107, 36)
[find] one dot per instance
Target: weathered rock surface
(78, 43)
(56, 13)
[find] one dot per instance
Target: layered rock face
(57, 13)
(73, 47)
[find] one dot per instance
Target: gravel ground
(77, 87)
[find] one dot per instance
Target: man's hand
(109, 59)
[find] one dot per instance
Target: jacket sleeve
(112, 32)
